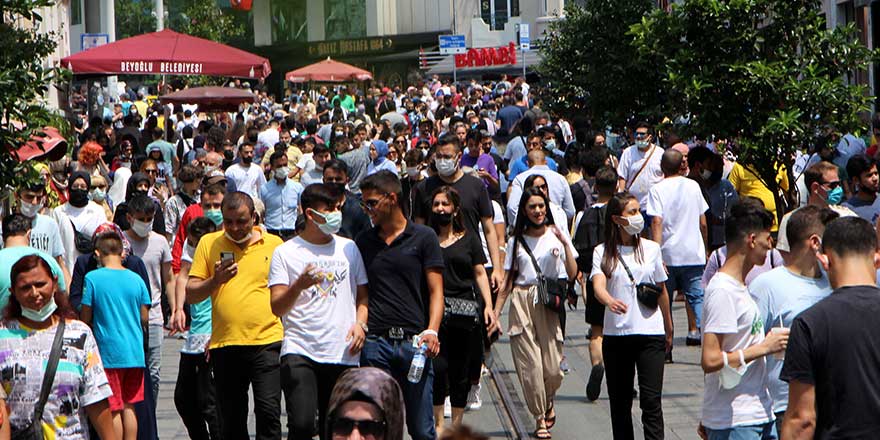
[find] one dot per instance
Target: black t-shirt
(475, 203)
(354, 219)
(460, 258)
(398, 289)
(835, 346)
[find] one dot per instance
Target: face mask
(215, 215)
(98, 195)
(42, 314)
(228, 154)
(446, 167)
(642, 145)
(142, 229)
(281, 173)
(636, 224)
(247, 160)
(835, 196)
(601, 146)
(551, 144)
(715, 177)
(30, 210)
(210, 169)
(442, 219)
(338, 133)
(332, 222)
(79, 197)
(243, 240)
(412, 171)
(706, 174)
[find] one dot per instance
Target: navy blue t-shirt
(508, 115)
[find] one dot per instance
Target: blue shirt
(781, 296)
(516, 149)
(522, 165)
(10, 256)
(386, 164)
(116, 297)
(281, 201)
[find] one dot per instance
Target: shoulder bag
(34, 430)
(551, 292)
(82, 242)
(461, 314)
(646, 293)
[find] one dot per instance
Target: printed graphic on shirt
(331, 273)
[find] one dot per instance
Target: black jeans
(452, 366)
(237, 368)
(307, 386)
(195, 398)
(622, 354)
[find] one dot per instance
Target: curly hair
(89, 153)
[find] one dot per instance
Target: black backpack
(589, 234)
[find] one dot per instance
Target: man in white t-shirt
(678, 211)
(244, 176)
(736, 399)
(267, 139)
(639, 166)
(318, 284)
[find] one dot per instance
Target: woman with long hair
(37, 310)
(464, 260)
(637, 331)
(90, 160)
(535, 333)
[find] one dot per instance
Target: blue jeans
(766, 431)
(395, 357)
(688, 279)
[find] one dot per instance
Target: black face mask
(138, 192)
(79, 197)
(444, 219)
(228, 154)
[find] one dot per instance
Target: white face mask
(636, 224)
(412, 171)
(705, 174)
(30, 210)
(246, 238)
(42, 314)
(445, 167)
(142, 229)
(281, 173)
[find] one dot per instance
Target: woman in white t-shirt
(78, 218)
(535, 333)
(636, 335)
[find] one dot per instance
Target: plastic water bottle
(418, 364)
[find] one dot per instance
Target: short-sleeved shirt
(639, 183)
(460, 258)
(680, 203)
(10, 256)
(475, 202)
(318, 323)
(869, 211)
(155, 252)
(80, 380)
(509, 115)
(834, 346)
(45, 236)
(116, 297)
(399, 296)
(241, 312)
(200, 313)
(549, 253)
(246, 179)
(729, 310)
(747, 184)
(638, 319)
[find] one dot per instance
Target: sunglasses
(640, 135)
(367, 428)
(832, 185)
(371, 204)
(152, 171)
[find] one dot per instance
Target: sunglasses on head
(367, 428)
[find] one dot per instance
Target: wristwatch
(364, 326)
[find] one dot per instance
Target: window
(76, 12)
(498, 12)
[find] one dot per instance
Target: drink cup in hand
(780, 330)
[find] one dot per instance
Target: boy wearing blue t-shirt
(116, 304)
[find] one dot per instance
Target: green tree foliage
(23, 83)
(767, 74)
(134, 17)
(592, 66)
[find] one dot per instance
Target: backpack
(590, 233)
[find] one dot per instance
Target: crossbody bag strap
(626, 268)
(531, 256)
(644, 164)
(49, 375)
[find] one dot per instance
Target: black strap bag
(646, 293)
(551, 292)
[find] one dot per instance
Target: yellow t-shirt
(241, 313)
(747, 184)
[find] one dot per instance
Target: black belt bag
(551, 292)
(647, 293)
(462, 314)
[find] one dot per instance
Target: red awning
(168, 52)
(211, 98)
(51, 146)
(328, 71)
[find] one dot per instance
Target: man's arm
(800, 417)
(657, 229)
(283, 297)
(434, 275)
(85, 315)
(704, 231)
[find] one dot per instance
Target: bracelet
(428, 332)
(363, 326)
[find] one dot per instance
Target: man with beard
(864, 180)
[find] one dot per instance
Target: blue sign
(524, 40)
(452, 44)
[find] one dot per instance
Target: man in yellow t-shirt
(232, 268)
(747, 184)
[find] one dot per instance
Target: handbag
(462, 314)
(646, 293)
(551, 292)
(34, 430)
(82, 242)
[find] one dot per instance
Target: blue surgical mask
(835, 196)
(332, 221)
(215, 215)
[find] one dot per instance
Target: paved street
(577, 419)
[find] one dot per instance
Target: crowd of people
(354, 250)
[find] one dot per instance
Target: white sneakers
(447, 409)
(474, 402)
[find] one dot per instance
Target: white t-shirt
(679, 201)
(320, 319)
(729, 310)
(87, 219)
(154, 251)
(638, 319)
(631, 161)
(497, 219)
(247, 180)
(549, 252)
(267, 139)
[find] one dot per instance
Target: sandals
(543, 434)
(550, 422)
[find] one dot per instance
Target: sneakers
(693, 339)
(563, 365)
(669, 357)
(447, 409)
(594, 384)
(473, 401)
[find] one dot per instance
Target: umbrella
(328, 71)
(210, 98)
(168, 52)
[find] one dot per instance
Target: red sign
(487, 56)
